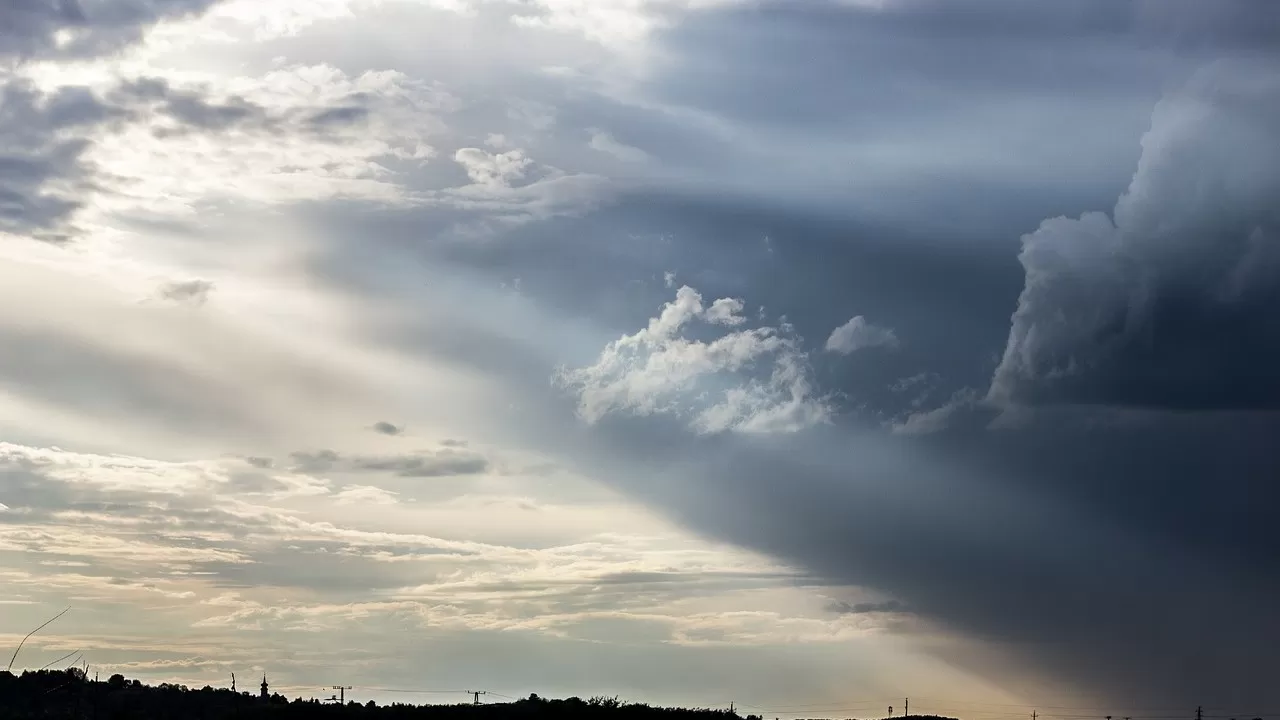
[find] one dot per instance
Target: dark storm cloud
(1149, 569)
(922, 111)
(861, 71)
(1226, 25)
(875, 64)
(1131, 561)
(1172, 300)
(1127, 553)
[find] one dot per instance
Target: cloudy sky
(805, 354)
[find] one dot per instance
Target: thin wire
(33, 632)
(1033, 706)
(424, 692)
(64, 657)
(845, 703)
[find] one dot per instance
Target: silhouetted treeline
(69, 694)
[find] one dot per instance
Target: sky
(800, 354)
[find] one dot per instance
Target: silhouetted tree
(69, 695)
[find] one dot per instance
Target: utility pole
(477, 694)
(342, 693)
(1199, 713)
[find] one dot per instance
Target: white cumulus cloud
(858, 334)
(749, 380)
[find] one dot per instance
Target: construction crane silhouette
(342, 693)
(477, 694)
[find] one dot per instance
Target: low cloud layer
(430, 463)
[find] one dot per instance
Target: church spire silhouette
(265, 694)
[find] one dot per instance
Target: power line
(840, 703)
(406, 690)
(64, 657)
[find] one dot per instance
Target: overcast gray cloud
(71, 28)
(41, 152)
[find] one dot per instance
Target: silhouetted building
(265, 694)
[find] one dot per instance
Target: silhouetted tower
(477, 694)
(265, 694)
(342, 693)
(233, 682)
